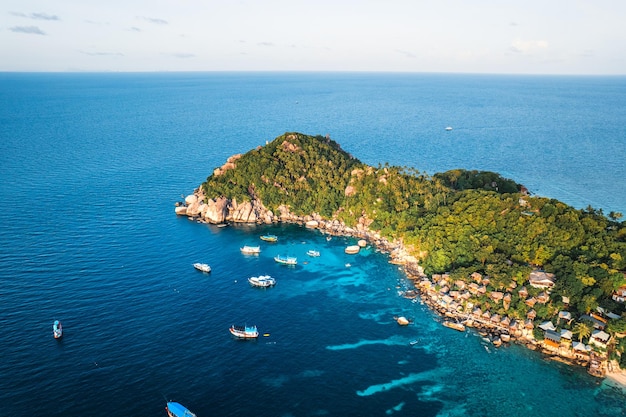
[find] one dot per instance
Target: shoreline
(495, 332)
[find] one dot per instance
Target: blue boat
(175, 409)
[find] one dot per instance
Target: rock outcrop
(222, 210)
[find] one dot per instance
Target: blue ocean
(92, 165)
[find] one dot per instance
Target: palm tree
(582, 329)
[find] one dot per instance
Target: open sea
(92, 165)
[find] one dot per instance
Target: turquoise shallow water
(93, 164)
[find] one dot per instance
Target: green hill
(458, 221)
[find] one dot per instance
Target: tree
(582, 330)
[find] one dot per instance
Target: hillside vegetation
(458, 221)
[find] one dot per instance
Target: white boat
(313, 253)
(263, 281)
(244, 332)
(202, 267)
(57, 329)
(353, 249)
(449, 128)
(251, 250)
(286, 260)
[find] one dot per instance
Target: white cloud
(528, 47)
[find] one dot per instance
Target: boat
(251, 250)
(175, 409)
(352, 249)
(57, 329)
(286, 260)
(402, 321)
(449, 128)
(269, 238)
(202, 267)
(244, 332)
(313, 253)
(454, 325)
(262, 281)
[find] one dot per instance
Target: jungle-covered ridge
(458, 221)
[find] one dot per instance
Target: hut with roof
(523, 292)
(600, 338)
(541, 279)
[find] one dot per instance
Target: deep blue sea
(92, 165)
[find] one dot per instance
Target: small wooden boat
(202, 267)
(288, 260)
(57, 329)
(353, 249)
(251, 250)
(269, 238)
(313, 253)
(454, 325)
(262, 281)
(175, 409)
(244, 332)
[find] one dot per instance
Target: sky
(451, 36)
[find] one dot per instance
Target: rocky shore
(448, 299)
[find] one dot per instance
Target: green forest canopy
(458, 221)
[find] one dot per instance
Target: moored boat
(454, 325)
(288, 260)
(175, 409)
(352, 249)
(269, 238)
(244, 332)
(313, 253)
(251, 250)
(202, 267)
(57, 329)
(263, 281)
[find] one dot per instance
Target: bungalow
(460, 284)
(619, 295)
(566, 334)
(598, 324)
(476, 277)
(565, 315)
(496, 296)
(543, 297)
(473, 288)
(540, 279)
(531, 314)
(523, 292)
(581, 347)
(530, 302)
(552, 335)
(599, 338)
(528, 324)
(547, 325)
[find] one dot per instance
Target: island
(481, 250)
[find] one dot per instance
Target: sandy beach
(616, 378)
